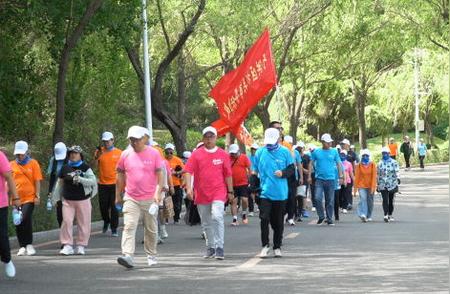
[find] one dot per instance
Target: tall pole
(148, 98)
(416, 92)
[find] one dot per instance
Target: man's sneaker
(10, 269)
(30, 250)
(369, 219)
(160, 240)
(344, 211)
(126, 261)
(391, 219)
(305, 213)
(331, 223)
(114, 234)
(105, 228)
(363, 218)
(210, 253)
(80, 250)
(245, 221)
(152, 260)
(291, 222)
(164, 234)
(277, 252)
(219, 253)
(235, 223)
(251, 214)
(386, 219)
(203, 235)
(264, 252)
(320, 221)
(22, 251)
(313, 209)
(67, 250)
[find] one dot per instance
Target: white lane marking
(250, 263)
(292, 235)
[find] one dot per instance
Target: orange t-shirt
(366, 176)
(287, 145)
(25, 177)
(393, 149)
(173, 164)
(107, 163)
(240, 168)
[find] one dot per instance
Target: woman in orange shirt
(27, 176)
(366, 183)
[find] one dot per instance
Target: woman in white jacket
(75, 187)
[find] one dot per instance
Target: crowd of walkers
(282, 182)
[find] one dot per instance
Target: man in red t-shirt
(240, 166)
(213, 184)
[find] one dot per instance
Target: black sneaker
(320, 221)
(105, 228)
(331, 223)
(210, 253)
(219, 253)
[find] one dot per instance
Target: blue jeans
(325, 187)
(365, 205)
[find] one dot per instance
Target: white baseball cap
(301, 144)
(187, 154)
(209, 130)
(365, 152)
(345, 141)
(352, 146)
(60, 151)
(343, 151)
(135, 132)
(21, 147)
(289, 139)
(169, 146)
(106, 136)
(254, 146)
(145, 131)
(271, 136)
(385, 150)
(233, 149)
(338, 146)
(326, 138)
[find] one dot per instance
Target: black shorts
(240, 191)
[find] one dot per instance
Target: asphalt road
(410, 255)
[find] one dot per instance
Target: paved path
(408, 255)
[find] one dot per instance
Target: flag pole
(148, 97)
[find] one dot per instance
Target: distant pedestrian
(27, 177)
(254, 183)
(304, 187)
(76, 186)
(107, 157)
(7, 186)
(55, 164)
(211, 168)
(407, 150)
(366, 184)
(176, 169)
(388, 179)
(346, 189)
(422, 151)
(393, 148)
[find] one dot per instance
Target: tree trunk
(360, 98)
(180, 137)
(70, 44)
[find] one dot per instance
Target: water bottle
(119, 207)
(49, 204)
(153, 210)
(17, 216)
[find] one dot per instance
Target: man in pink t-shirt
(213, 182)
(139, 171)
(6, 180)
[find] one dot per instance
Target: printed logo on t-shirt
(217, 161)
(147, 162)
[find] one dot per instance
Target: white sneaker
(391, 219)
(67, 250)
(126, 261)
(277, 252)
(152, 260)
(30, 250)
(369, 219)
(363, 218)
(291, 222)
(22, 251)
(164, 234)
(264, 252)
(386, 219)
(251, 214)
(80, 250)
(344, 211)
(10, 269)
(313, 209)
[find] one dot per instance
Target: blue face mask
(365, 160)
(386, 156)
(272, 147)
(343, 157)
(75, 163)
(24, 161)
(110, 148)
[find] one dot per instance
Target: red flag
(238, 92)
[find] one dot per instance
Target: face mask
(365, 160)
(386, 156)
(343, 157)
(110, 148)
(24, 161)
(75, 163)
(272, 147)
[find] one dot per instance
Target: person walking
(176, 169)
(140, 174)
(304, 187)
(254, 183)
(407, 150)
(325, 160)
(27, 177)
(7, 187)
(366, 184)
(107, 157)
(212, 182)
(240, 167)
(388, 179)
(274, 164)
(422, 151)
(393, 148)
(345, 193)
(55, 164)
(76, 186)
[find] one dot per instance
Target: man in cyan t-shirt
(325, 160)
